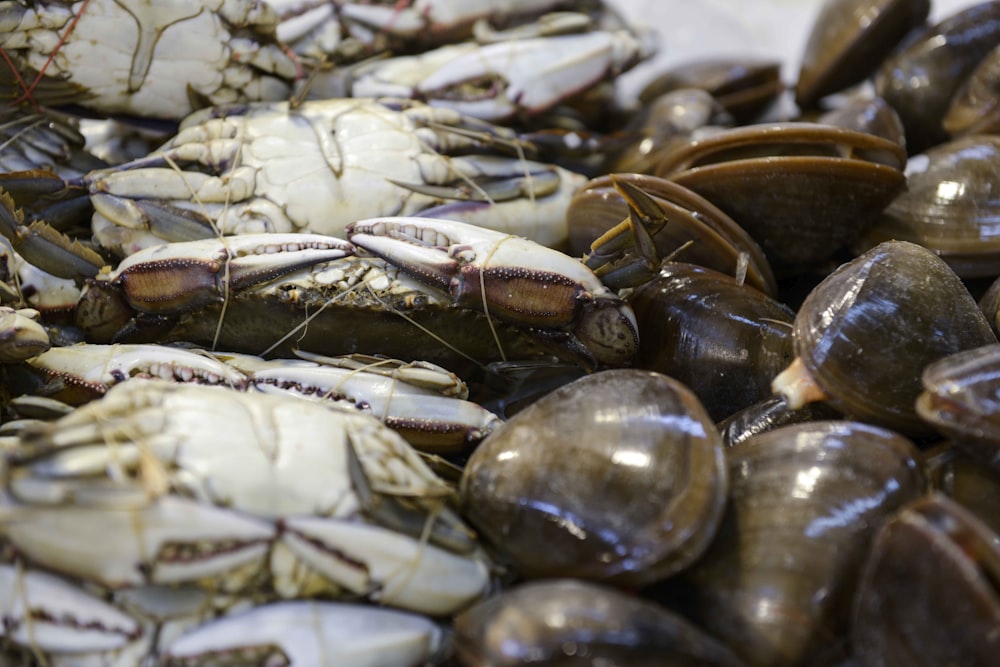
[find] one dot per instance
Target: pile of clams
(800, 463)
(811, 304)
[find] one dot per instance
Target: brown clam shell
(929, 593)
(801, 190)
(567, 622)
(849, 39)
(636, 442)
(961, 399)
(867, 331)
(868, 114)
(964, 479)
(975, 108)
(951, 206)
(920, 80)
(718, 241)
(744, 87)
(724, 340)
(777, 583)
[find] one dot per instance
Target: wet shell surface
(866, 332)
(638, 441)
(572, 622)
(777, 583)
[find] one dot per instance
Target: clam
(864, 334)
(929, 592)
(777, 583)
(951, 206)
(975, 107)
(768, 414)
(849, 39)
(716, 241)
(571, 622)
(965, 480)
(801, 190)
(867, 114)
(745, 87)
(961, 399)
(723, 339)
(920, 80)
(618, 476)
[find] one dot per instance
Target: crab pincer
(512, 278)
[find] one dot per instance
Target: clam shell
(777, 583)
(849, 38)
(920, 80)
(867, 331)
(722, 339)
(961, 399)
(618, 476)
(801, 190)
(951, 206)
(718, 241)
(572, 622)
(975, 107)
(929, 595)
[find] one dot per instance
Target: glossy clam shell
(951, 205)
(975, 107)
(572, 622)
(768, 414)
(718, 240)
(801, 190)
(868, 114)
(961, 399)
(776, 585)
(920, 80)
(744, 87)
(849, 38)
(966, 480)
(724, 340)
(617, 476)
(867, 331)
(929, 594)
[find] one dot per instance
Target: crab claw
(168, 280)
(21, 336)
(504, 79)
(311, 633)
(46, 613)
(168, 540)
(512, 278)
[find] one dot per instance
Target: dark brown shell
(929, 594)
(975, 108)
(768, 414)
(868, 114)
(868, 330)
(718, 241)
(951, 206)
(961, 399)
(776, 585)
(849, 39)
(617, 476)
(569, 622)
(964, 479)
(801, 190)
(744, 87)
(724, 340)
(921, 80)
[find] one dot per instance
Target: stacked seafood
(385, 334)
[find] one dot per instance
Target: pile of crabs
(385, 334)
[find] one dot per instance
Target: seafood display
(401, 333)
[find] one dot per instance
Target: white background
(692, 29)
